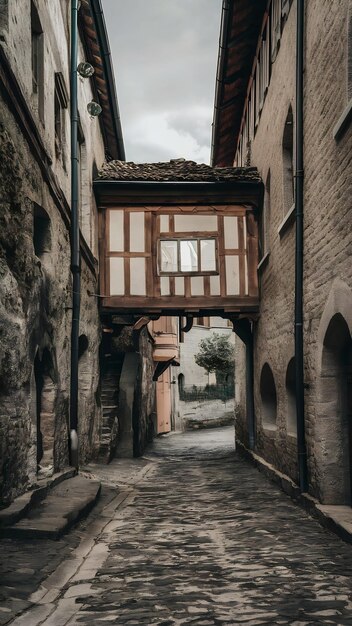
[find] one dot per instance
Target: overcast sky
(164, 55)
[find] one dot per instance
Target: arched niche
(268, 397)
(42, 240)
(181, 384)
(43, 401)
(334, 413)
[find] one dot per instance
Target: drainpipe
(243, 329)
(75, 247)
(299, 177)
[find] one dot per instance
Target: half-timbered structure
(178, 238)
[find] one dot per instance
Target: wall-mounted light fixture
(94, 109)
(86, 70)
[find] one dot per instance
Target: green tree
(216, 354)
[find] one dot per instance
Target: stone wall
(145, 394)
(35, 317)
(136, 393)
(327, 245)
(328, 235)
(35, 276)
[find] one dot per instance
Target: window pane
(207, 247)
(168, 253)
(189, 256)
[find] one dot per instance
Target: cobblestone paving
(204, 539)
(25, 564)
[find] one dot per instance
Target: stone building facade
(189, 373)
(262, 125)
(190, 380)
(35, 277)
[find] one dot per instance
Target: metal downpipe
(299, 200)
(243, 329)
(75, 247)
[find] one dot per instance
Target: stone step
(63, 507)
(19, 507)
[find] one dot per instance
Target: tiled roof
(96, 47)
(242, 22)
(176, 170)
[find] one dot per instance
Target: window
(4, 15)
(264, 222)
(344, 121)
(181, 383)
(58, 125)
(60, 103)
(188, 256)
(202, 321)
(37, 40)
(285, 9)
(268, 397)
(287, 158)
(41, 232)
(275, 28)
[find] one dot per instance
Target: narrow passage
(203, 538)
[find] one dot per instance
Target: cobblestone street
(190, 534)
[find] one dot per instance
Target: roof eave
(114, 148)
(246, 192)
(241, 21)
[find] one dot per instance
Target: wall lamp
(86, 70)
(94, 109)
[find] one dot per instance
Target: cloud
(155, 136)
(165, 55)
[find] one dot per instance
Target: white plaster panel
(137, 232)
(232, 275)
(194, 223)
(137, 277)
(165, 286)
(215, 285)
(117, 277)
(231, 232)
(164, 223)
(116, 231)
(197, 286)
(179, 286)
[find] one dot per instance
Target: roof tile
(176, 170)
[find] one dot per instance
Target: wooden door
(163, 403)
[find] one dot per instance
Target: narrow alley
(188, 534)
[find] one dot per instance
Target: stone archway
(44, 401)
(334, 398)
(335, 412)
